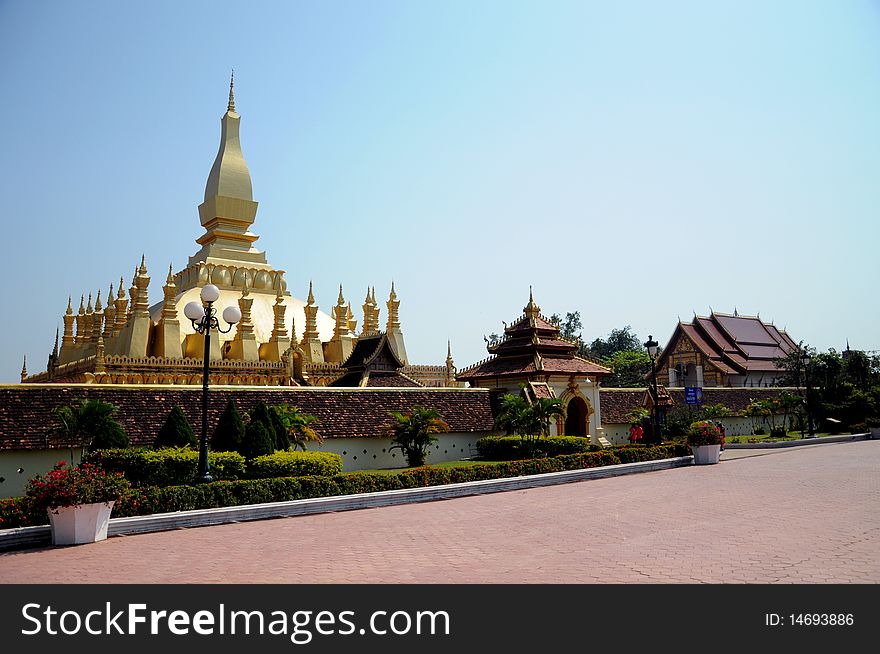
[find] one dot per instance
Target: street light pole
(805, 360)
(651, 345)
(204, 318)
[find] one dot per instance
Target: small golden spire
(170, 279)
(69, 311)
(110, 295)
(340, 300)
(82, 304)
(121, 294)
(143, 269)
(89, 305)
(367, 300)
(231, 105)
(98, 305)
(393, 295)
(311, 294)
(24, 368)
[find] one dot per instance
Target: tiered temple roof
(532, 347)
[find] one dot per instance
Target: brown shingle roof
(26, 410)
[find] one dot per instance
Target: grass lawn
(445, 464)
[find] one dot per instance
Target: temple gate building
(533, 359)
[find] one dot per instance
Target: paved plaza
(797, 515)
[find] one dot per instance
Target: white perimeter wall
(33, 462)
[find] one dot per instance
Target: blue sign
(693, 395)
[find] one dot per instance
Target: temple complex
(280, 340)
(533, 359)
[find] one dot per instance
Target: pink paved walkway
(807, 514)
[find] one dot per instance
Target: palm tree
(543, 409)
(298, 426)
(515, 416)
(91, 423)
(412, 432)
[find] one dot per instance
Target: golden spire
(170, 279)
(82, 304)
(69, 311)
(231, 105)
(98, 305)
(311, 299)
(393, 295)
(110, 294)
(531, 309)
(120, 295)
(89, 305)
(143, 268)
(24, 368)
(340, 300)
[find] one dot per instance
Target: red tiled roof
(26, 409)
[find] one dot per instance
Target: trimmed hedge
(156, 499)
(166, 467)
(295, 464)
(506, 448)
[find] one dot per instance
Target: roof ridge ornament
(231, 105)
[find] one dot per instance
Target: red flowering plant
(84, 484)
(704, 432)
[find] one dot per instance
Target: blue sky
(634, 161)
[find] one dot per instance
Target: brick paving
(798, 515)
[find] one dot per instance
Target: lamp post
(651, 345)
(204, 319)
(805, 360)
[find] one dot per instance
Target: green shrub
(176, 432)
(229, 433)
(295, 464)
(777, 432)
(282, 440)
(166, 467)
(258, 440)
(90, 423)
(506, 448)
(704, 432)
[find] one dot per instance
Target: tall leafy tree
(619, 340)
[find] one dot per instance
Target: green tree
(629, 368)
(282, 440)
(619, 340)
(298, 426)
(229, 433)
(412, 432)
(544, 409)
(176, 432)
(89, 424)
(569, 327)
(514, 416)
(257, 440)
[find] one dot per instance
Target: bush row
(155, 499)
(176, 466)
(506, 448)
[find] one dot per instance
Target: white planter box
(83, 523)
(706, 454)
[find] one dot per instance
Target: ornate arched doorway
(576, 416)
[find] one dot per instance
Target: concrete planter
(706, 454)
(83, 523)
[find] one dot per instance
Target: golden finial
(393, 295)
(121, 293)
(374, 296)
(24, 368)
(98, 305)
(231, 105)
(110, 295)
(341, 300)
(448, 349)
(143, 269)
(89, 305)
(170, 279)
(311, 294)
(82, 304)
(367, 300)
(69, 311)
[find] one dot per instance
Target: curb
(41, 536)
(804, 441)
